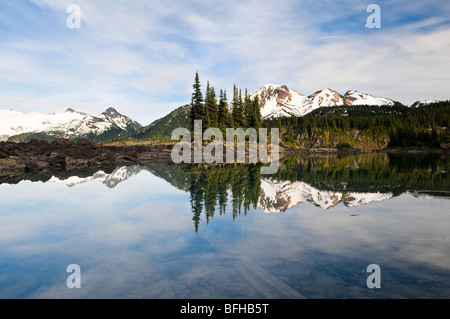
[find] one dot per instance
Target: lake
(165, 231)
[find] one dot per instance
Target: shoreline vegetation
(63, 155)
(342, 148)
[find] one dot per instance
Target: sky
(140, 57)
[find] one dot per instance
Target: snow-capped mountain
(71, 124)
(278, 196)
(423, 103)
(124, 122)
(358, 98)
(119, 175)
(325, 97)
(279, 100)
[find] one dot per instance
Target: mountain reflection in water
(172, 231)
(321, 181)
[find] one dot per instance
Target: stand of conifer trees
(215, 112)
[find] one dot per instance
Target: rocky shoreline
(64, 157)
(415, 150)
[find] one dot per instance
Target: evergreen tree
(229, 119)
(211, 107)
(237, 113)
(223, 113)
(206, 115)
(197, 107)
(241, 115)
(235, 107)
(256, 114)
(249, 116)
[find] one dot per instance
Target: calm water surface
(165, 231)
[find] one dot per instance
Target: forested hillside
(368, 127)
(163, 127)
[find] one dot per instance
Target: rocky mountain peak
(279, 100)
(112, 112)
(122, 121)
(71, 124)
(278, 196)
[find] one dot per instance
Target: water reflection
(323, 181)
(131, 230)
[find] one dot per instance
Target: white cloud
(142, 55)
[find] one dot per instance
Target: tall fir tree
(249, 114)
(237, 112)
(229, 115)
(211, 107)
(223, 114)
(206, 115)
(197, 106)
(257, 114)
(242, 121)
(234, 107)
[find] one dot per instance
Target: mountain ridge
(21, 127)
(278, 100)
(277, 197)
(163, 126)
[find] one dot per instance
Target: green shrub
(343, 145)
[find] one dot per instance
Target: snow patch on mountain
(111, 180)
(322, 98)
(278, 100)
(14, 122)
(121, 121)
(423, 103)
(357, 199)
(70, 124)
(358, 98)
(278, 196)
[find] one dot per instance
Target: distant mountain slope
(164, 126)
(360, 110)
(358, 98)
(22, 127)
(424, 103)
(111, 180)
(279, 100)
(278, 196)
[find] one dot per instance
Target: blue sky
(141, 56)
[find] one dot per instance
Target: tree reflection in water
(212, 187)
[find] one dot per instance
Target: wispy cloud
(140, 56)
